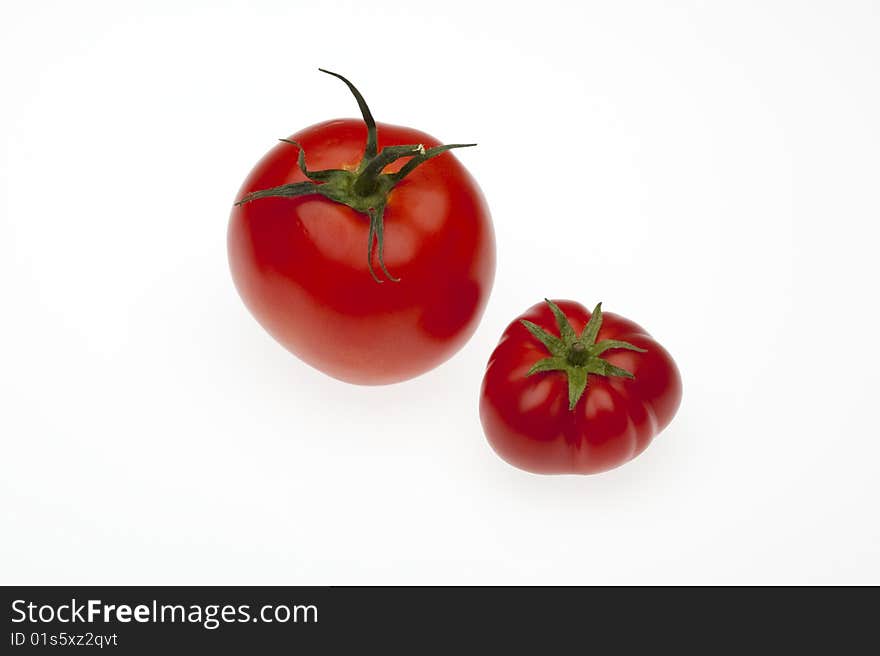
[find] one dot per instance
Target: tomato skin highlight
(527, 418)
(301, 267)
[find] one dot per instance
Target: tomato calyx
(577, 355)
(365, 189)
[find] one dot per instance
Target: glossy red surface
(300, 264)
(527, 420)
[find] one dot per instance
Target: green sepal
(369, 178)
(372, 135)
(555, 345)
(600, 347)
(548, 364)
(291, 190)
(565, 330)
(370, 240)
(317, 176)
(377, 219)
(577, 383)
(577, 356)
(591, 330)
(604, 368)
(365, 189)
(430, 153)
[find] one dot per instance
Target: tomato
(366, 250)
(568, 391)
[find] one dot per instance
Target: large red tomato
(367, 251)
(583, 400)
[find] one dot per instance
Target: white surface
(707, 169)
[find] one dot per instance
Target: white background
(708, 169)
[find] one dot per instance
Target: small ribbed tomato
(366, 250)
(582, 401)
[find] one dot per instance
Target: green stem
(578, 354)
